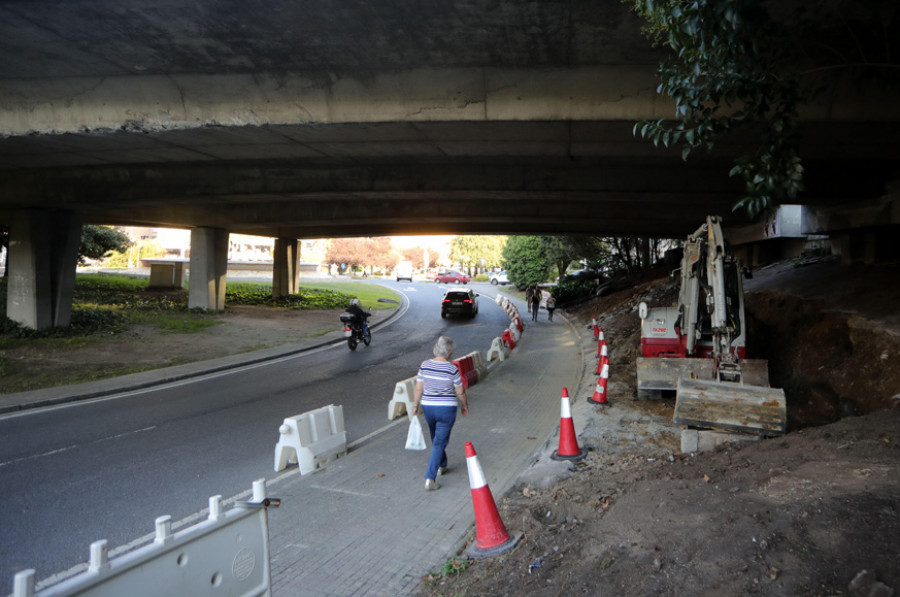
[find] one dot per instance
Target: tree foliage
(479, 251)
(750, 64)
(629, 255)
(525, 261)
(361, 252)
(415, 255)
(561, 251)
(131, 257)
(99, 242)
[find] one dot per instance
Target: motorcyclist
(361, 315)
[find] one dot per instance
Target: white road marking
(73, 446)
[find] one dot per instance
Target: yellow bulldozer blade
(731, 406)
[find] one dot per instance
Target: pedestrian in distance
(551, 305)
(535, 303)
(529, 292)
(439, 389)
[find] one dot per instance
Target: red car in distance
(452, 278)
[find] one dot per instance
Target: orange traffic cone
(596, 327)
(599, 396)
(568, 443)
(492, 538)
(603, 360)
(600, 343)
(600, 334)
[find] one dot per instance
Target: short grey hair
(443, 346)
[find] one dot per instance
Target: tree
(361, 252)
(525, 261)
(99, 242)
(379, 252)
(479, 251)
(563, 250)
(750, 64)
(415, 255)
(630, 254)
(133, 254)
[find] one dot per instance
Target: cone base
(604, 403)
(476, 553)
(557, 456)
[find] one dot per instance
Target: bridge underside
(370, 117)
(310, 181)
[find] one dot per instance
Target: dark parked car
(452, 277)
(585, 274)
(460, 302)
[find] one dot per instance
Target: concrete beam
(209, 265)
(43, 250)
(155, 103)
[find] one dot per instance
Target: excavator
(699, 348)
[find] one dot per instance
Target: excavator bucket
(657, 375)
(737, 407)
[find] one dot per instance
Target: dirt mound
(804, 514)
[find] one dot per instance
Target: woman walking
(535, 303)
(438, 388)
(551, 305)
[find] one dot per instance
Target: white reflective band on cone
(565, 410)
(476, 475)
(605, 371)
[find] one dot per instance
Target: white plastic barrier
(478, 362)
(516, 334)
(402, 401)
(498, 350)
(311, 439)
(227, 554)
(498, 299)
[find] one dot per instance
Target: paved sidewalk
(365, 525)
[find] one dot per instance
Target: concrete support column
(285, 272)
(209, 264)
(43, 253)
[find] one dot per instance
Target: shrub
(570, 291)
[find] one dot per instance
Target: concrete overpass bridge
(361, 118)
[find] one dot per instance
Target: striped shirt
(438, 380)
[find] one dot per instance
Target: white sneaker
(442, 471)
(431, 485)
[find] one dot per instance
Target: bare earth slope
(804, 514)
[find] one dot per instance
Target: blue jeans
(440, 421)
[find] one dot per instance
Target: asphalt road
(105, 469)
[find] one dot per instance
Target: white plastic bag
(415, 439)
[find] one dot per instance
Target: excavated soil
(814, 513)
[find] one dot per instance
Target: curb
(180, 372)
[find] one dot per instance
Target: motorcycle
(356, 331)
